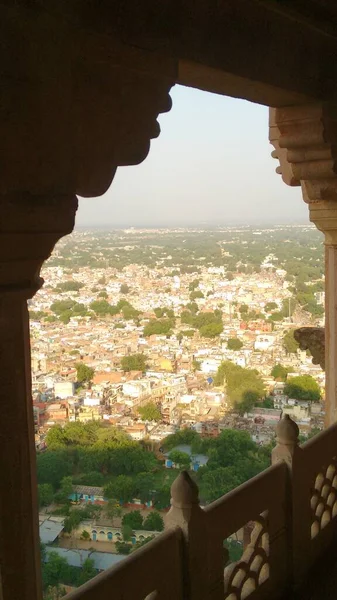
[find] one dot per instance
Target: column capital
(30, 227)
(305, 142)
(324, 215)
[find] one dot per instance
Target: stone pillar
(186, 513)
(30, 227)
(305, 142)
(324, 215)
(287, 450)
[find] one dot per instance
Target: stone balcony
(291, 508)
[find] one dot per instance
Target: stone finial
(287, 431)
(184, 491)
(313, 339)
(287, 441)
(186, 514)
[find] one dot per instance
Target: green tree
(60, 306)
(85, 374)
(69, 286)
(124, 289)
(303, 387)
(279, 372)
(158, 327)
(290, 344)
(123, 548)
(217, 482)
(153, 522)
(180, 459)
(103, 294)
(130, 313)
(192, 307)
(235, 550)
(55, 438)
(162, 497)
(211, 330)
(193, 285)
(45, 494)
(127, 532)
(243, 386)
(144, 486)
(134, 519)
(196, 294)
(73, 520)
(55, 570)
(113, 509)
(188, 333)
(234, 344)
(52, 467)
(185, 436)
(102, 308)
(150, 412)
(87, 571)
(120, 487)
(65, 490)
(270, 306)
(134, 362)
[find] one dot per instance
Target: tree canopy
(150, 412)
(303, 387)
(134, 362)
(84, 373)
(158, 327)
(180, 459)
(153, 522)
(124, 289)
(134, 519)
(120, 488)
(244, 387)
(290, 344)
(280, 372)
(233, 458)
(234, 344)
(45, 494)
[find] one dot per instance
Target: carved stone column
(305, 142)
(30, 227)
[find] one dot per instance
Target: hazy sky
(210, 165)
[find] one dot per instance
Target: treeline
(183, 251)
(89, 452)
(92, 454)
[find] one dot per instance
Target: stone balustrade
(290, 510)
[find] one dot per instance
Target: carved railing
(154, 572)
(290, 510)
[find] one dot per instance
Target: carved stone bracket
(29, 229)
(90, 105)
(313, 339)
(305, 142)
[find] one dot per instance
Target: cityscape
(156, 350)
